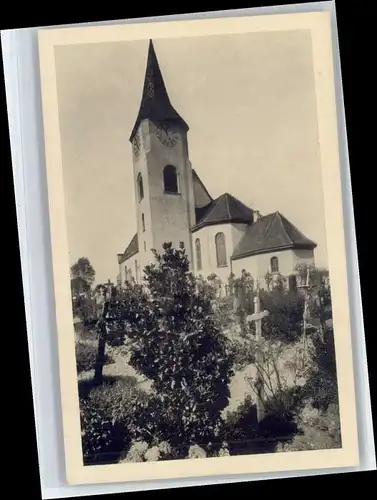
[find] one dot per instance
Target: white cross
(257, 316)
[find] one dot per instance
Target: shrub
(241, 289)
(83, 308)
(106, 415)
(175, 343)
(224, 312)
(118, 399)
(102, 439)
(86, 355)
(241, 352)
(207, 287)
(322, 385)
(319, 430)
(246, 436)
(285, 318)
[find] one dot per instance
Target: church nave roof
(132, 249)
(270, 233)
(224, 209)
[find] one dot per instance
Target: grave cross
(305, 286)
(257, 317)
(108, 286)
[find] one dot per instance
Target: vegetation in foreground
(188, 343)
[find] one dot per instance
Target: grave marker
(305, 286)
(257, 317)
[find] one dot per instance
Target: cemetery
(174, 369)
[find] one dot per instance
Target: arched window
(274, 265)
(143, 222)
(140, 187)
(198, 250)
(220, 250)
(170, 179)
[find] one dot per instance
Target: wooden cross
(108, 287)
(257, 317)
(306, 287)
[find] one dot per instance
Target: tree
(82, 277)
(83, 273)
(79, 285)
(175, 343)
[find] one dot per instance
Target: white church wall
(303, 257)
(258, 265)
(207, 235)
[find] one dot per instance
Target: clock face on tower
(136, 145)
(167, 135)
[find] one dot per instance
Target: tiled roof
(269, 233)
(201, 194)
(131, 250)
(225, 209)
(155, 103)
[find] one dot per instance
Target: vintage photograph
(201, 288)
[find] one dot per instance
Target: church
(220, 235)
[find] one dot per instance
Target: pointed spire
(155, 103)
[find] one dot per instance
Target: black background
(357, 51)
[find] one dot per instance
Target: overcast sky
(249, 100)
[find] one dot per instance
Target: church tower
(163, 178)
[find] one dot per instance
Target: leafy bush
(102, 439)
(207, 287)
(285, 318)
(84, 308)
(318, 430)
(86, 355)
(246, 436)
(224, 312)
(241, 352)
(118, 399)
(322, 386)
(105, 416)
(285, 308)
(175, 343)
